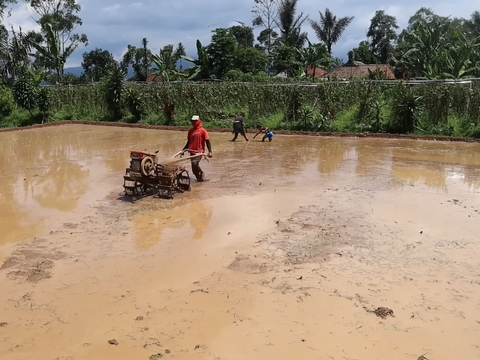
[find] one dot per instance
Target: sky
(113, 24)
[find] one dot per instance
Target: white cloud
(22, 16)
(173, 21)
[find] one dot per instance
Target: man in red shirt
(196, 139)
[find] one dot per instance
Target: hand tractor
(147, 174)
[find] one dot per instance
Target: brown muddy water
(286, 252)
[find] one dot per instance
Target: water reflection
(434, 163)
(370, 158)
(53, 168)
(433, 177)
(149, 227)
(332, 154)
(60, 186)
(15, 222)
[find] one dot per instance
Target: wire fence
(298, 84)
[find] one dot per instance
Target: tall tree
(473, 24)
(4, 5)
(96, 64)
(221, 51)
(139, 58)
(243, 35)
(290, 25)
(14, 52)
(58, 20)
(362, 53)
(329, 29)
(249, 60)
(266, 15)
(382, 34)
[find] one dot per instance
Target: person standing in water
(239, 127)
(197, 138)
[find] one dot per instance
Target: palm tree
(290, 25)
(329, 29)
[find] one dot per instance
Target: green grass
(344, 122)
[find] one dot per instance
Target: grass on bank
(344, 122)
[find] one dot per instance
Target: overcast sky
(113, 24)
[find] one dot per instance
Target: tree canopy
(431, 46)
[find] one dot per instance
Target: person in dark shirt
(239, 127)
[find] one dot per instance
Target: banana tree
(51, 52)
(14, 51)
(458, 57)
(202, 66)
(427, 43)
(314, 56)
(165, 63)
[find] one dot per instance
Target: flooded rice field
(316, 248)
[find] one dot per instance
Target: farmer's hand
(210, 155)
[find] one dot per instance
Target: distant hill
(78, 70)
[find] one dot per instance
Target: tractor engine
(142, 162)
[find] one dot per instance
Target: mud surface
(226, 130)
(304, 247)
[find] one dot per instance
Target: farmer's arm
(186, 146)
(243, 125)
(207, 142)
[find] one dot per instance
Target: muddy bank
(340, 272)
(228, 130)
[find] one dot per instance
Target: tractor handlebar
(198, 154)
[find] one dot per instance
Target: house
(357, 69)
(310, 69)
(153, 78)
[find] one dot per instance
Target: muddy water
(284, 252)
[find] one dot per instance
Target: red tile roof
(154, 78)
(360, 70)
(319, 72)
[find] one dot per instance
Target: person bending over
(239, 127)
(196, 139)
(268, 133)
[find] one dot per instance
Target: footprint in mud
(31, 265)
(381, 312)
(244, 264)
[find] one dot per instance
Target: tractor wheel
(146, 166)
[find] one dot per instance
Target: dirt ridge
(228, 130)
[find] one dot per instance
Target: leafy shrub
(7, 103)
(25, 93)
(406, 108)
(43, 102)
(135, 104)
(115, 92)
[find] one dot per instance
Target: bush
(355, 106)
(7, 103)
(114, 92)
(25, 94)
(135, 104)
